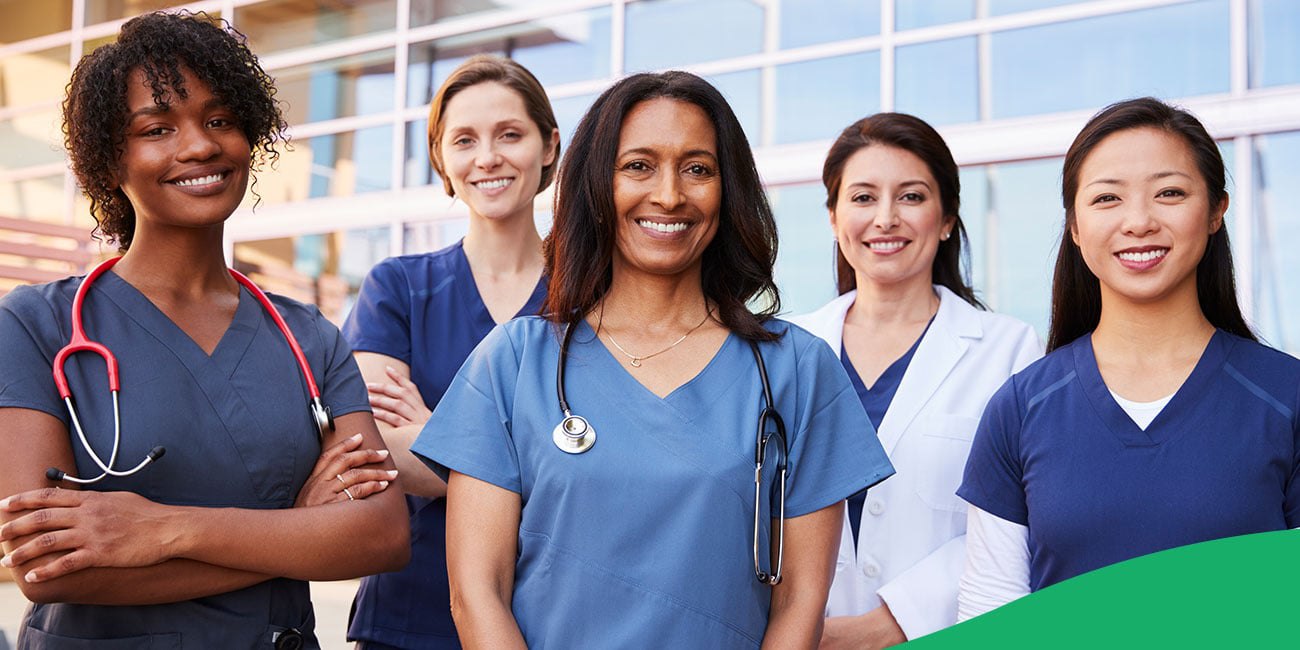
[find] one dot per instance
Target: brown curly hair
(160, 45)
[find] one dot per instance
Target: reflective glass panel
(92, 44)
(1274, 42)
(418, 169)
(26, 19)
(568, 112)
(427, 12)
(31, 139)
(1023, 220)
(809, 22)
(1276, 225)
(433, 235)
(805, 263)
(1003, 7)
(743, 91)
(1174, 51)
(39, 199)
(911, 14)
(98, 11)
(669, 33)
(815, 100)
(343, 164)
(286, 24)
(974, 204)
(343, 87)
(557, 50)
(938, 81)
(34, 77)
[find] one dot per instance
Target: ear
(552, 145)
(949, 227)
(831, 212)
(1216, 216)
(1074, 233)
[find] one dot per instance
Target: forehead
(667, 124)
(880, 164)
(484, 103)
(140, 94)
(1138, 153)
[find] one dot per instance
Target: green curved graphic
(1240, 592)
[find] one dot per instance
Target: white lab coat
(912, 538)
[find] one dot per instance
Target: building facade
(1007, 82)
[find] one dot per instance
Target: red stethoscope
(80, 343)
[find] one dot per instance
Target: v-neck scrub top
(235, 424)
(645, 539)
(425, 311)
(1056, 453)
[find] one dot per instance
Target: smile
(1142, 256)
(201, 180)
(494, 184)
(662, 227)
(887, 246)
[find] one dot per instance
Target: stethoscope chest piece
(574, 435)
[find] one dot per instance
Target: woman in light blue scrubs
(211, 545)
(643, 534)
(1156, 420)
(493, 140)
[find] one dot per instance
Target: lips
(887, 245)
(1140, 258)
(493, 183)
(200, 180)
(665, 227)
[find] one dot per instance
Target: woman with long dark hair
(1156, 419)
(602, 459)
(924, 356)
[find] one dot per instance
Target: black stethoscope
(575, 435)
(79, 342)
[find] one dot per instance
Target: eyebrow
(646, 151)
(1154, 177)
(908, 183)
(157, 109)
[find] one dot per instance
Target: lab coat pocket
(33, 639)
(944, 444)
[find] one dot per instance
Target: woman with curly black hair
(210, 546)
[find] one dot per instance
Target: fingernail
(383, 484)
(4, 504)
(383, 453)
(392, 473)
(32, 577)
(390, 369)
(356, 437)
(6, 562)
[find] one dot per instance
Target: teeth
(886, 246)
(1145, 256)
(202, 180)
(493, 184)
(661, 227)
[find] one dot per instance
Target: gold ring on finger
(340, 478)
(349, 493)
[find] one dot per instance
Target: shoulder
(827, 318)
(1263, 367)
(411, 270)
(522, 336)
(41, 306)
(1047, 375)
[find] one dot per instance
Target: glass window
(1274, 42)
(815, 100)
(24, 19)
(1021, 221)
(287, 24)
(31, 139)
(974, 204)
(427, 12)
(98, 11)
(912, 14)
(342, 164)
(38, 199)
(805, 263)
(670, 33)
(34, 77)
(1276, 224)
(343, 87)
(1003, 7)
(419, 171)
(743, 91)
(433, 235)
(91, 44)
(809, 22)
(1174, 51)
(568, 112)
(557, 50)
(938, 81)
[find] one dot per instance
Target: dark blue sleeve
(993, 481)
(342, 389)
(1292, 502)
(26, 321)
(380, 321)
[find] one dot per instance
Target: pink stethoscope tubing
(79, 342)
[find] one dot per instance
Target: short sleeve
(381, 319)
(993, 481)
(25, 373)
(469, 431)
(343, 389)
(1292, 499)
(834, 452)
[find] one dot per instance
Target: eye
(1171, 193)
(511, 135)
(699, 169)
(220, 123)
(155, 131)
(1104, 198)
(862, 198)
(636, 166)
(912, 197)
(462, 141)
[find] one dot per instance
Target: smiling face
(1143, 215)
(888, 216)
(667, 188)
(493, 152)
(183, 163)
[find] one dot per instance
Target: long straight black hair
(1076, 292)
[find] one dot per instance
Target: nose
(1140, 221)
(667, 193)
(486, 156)
(886, 215)
(197, 143)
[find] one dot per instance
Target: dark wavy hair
(482, 68)
(160, 45)
(737, 264)
(913, 135)
(1076, 292)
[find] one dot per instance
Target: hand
(340, 475)
(875, 629)
(88, 529)
(397, 404)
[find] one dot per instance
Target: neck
(653, 302)
(909, 301)
(1163, 328)
(183, 264)
(503, 246)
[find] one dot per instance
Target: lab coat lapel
(936, 356)
(827, 323)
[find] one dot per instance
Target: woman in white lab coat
(908, 326)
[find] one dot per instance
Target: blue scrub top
(645, 539)
(425, 311)
(1056, 453)
(235, 424)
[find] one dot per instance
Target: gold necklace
(637, 359)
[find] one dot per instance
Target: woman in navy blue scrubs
(210, 546)
(1156, 420)
(493, 139)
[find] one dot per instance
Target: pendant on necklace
(636, 362)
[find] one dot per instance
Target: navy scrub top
(425, 311)
(1056, 453)
(235, 424)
